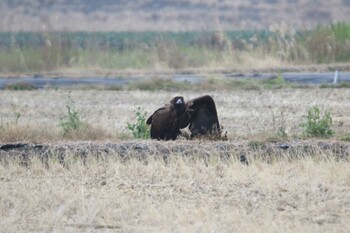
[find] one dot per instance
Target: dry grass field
(184, 193)
(268, 176)
(34, 116)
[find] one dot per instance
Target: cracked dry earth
(192, 189)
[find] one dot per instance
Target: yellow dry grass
(183, 195)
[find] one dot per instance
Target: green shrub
(317, 125)
(140, 129)
(71, 122)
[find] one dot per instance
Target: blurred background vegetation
(47, 51)
(39, 36)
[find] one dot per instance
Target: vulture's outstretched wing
(203, 116)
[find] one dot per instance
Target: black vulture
(203, 116)
(199, 114)
(167, 121)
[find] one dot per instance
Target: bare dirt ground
(242, 150)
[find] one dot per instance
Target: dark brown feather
(203, 116)
(167, 121)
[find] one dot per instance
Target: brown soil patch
(243, 150)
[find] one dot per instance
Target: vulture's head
(179, 104)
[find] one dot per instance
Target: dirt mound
(243, 150)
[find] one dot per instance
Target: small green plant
(71, 122)
(317, 125)
(275, 82)
(140, 129)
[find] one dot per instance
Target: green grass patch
(71, 122)
(275, 82)
(337, 85)
(158, 84)
(140, 129)
(207, 84)
(341, 31)
(21, 86)
(318, 125)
